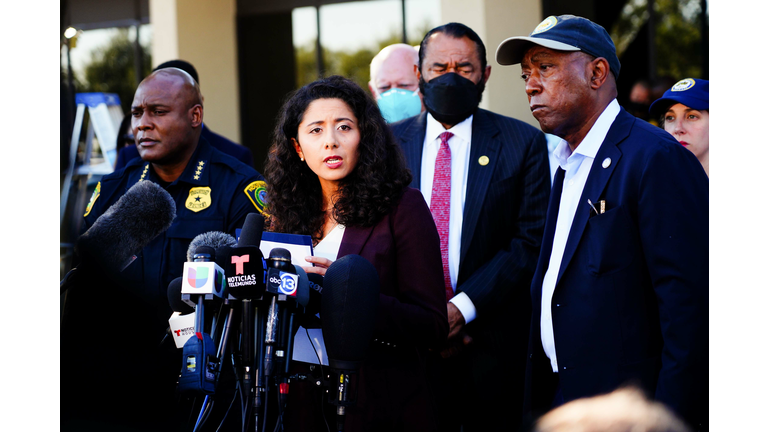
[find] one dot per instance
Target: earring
(302, 159)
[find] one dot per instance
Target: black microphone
(181, 324)
(288, 327)
(125, 228)
(174, 298)
(315, 282)
(348, 314)
(253, 227)
(282, 280)
(245, 268)
(246, 271)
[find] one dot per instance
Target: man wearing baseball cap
(620, 293)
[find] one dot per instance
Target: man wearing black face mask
(486, 180)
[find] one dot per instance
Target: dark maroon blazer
(404, 247)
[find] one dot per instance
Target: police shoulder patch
(257, 193)
(199, 199)
(94, 197)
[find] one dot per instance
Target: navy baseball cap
(691, 92)
(562, 33)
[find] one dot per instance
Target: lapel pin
(483, 160)
(607, 162)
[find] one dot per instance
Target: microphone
(303, 294)
(246, 270)
(203, 279)
(282, 280)
(253, 227)
(288, 329)
(174, 298)
(145, 211)
(213, 239)
(182, 321)
(348, 310)
(315, 282)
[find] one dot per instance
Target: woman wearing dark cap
(336, 173)
(683, 111)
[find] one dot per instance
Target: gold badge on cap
(94, 197)
(257, 193)
(483, 160)
(683, 85)
(199, 199)
(545, 25)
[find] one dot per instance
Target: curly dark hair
(370, 191)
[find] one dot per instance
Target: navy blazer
(504, 213)
(630, 304)
(239, 152)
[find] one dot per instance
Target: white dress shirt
(576, 166)
(459, 144)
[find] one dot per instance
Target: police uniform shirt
(214, 193)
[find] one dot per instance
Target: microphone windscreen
(250, 234)
(174, 298)
(214, 239)
(348, 309)
(126, 227)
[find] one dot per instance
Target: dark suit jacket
(404, 247)
(631, 300)
(239, 152)
(501, 234)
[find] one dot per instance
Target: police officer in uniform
(213, 192)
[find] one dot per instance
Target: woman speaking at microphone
(336, 173)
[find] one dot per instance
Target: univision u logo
(197, 277)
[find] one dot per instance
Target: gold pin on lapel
(483, 160)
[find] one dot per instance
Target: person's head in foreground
(624, 410)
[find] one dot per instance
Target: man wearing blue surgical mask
(394, 83)
(486, 180)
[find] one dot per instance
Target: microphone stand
(221, 350)
(246, 344)
(259, 390)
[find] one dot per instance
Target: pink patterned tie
(440, 204)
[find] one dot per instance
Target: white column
(204, 33)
